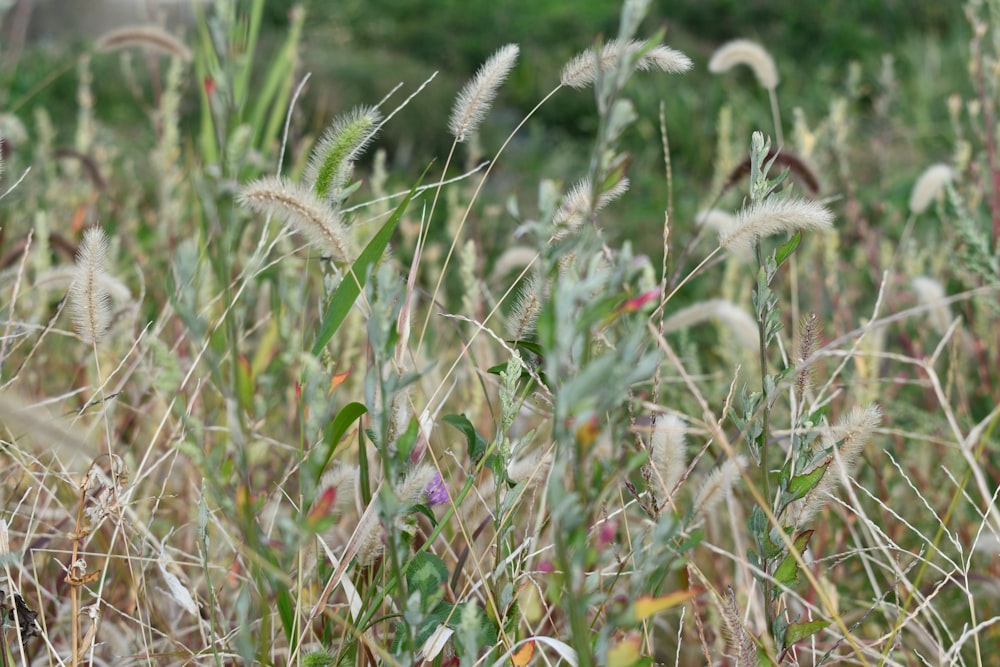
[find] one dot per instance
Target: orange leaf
(523, 655)
(625, 653)
(339, 379)
(647, 605)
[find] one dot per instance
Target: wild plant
(285, 415)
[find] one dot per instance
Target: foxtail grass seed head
(931, 293)
(530, 468)
(301, 209)
(775, 215)
(808, 336)
(749, 53)
(332, 160)
(717, 487)
(475, 99)
(62, 276)
(740, 642)
(738, 321)
(523, 316)
(852, 432)
(89, 300)
(575, 208)
(722, 223)
(514, 258)
(582, 70)
(717, 220)
(414, 488)
(667, 453)
(150, 37)
(342, 478)
(929, 186)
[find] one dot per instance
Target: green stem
(765, 419)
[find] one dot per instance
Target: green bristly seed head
(333, 157)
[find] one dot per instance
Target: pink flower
(634, 304)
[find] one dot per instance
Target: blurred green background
(358, 50)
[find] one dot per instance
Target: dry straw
(303, 210)
(775, 215)
(929, 186)
(89, 300)
(477, 96)
(749, 53)
(150, 37)
(582, 70)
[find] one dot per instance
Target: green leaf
(787, 573)
(798, 631)
(348, 414)
(286, 610)
(477, 443)
(426, 573)
(785, 250)
(406, 440)
(347, 293)
(802, 484)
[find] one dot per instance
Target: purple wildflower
(436, 491)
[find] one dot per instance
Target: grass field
(664, 348)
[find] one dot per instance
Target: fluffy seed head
(524, 315)
(732, 317)
(332, 160)
(931, 293)
(717, 486)
(89, 300)
(575, 207)
(749, 53)
(667, 453)
(513, 258)
(151, 37)
(532, 468)
(303, 210)
(477, 96)
(582, 70)
(929, 185)
(852, 432)
(775, 215)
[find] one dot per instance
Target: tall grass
(294, 414)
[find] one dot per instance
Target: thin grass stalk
(461, 226)
(914, 587)
(765, 473)
(719, 436)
